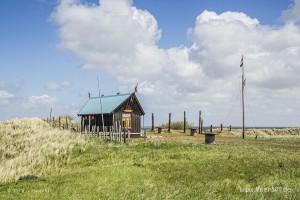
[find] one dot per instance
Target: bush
(177, 125)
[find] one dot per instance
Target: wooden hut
(118, 110)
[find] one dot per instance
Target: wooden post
(81, 124)
(211, 128)
(229, 128)
(184, 122)
(199, 128)
(67, 122)
(89, 124)
(50, 114)
(53, 122)
(243, 96)
(124, 136)
(152, 119)
(221, 127)
(169, 127)
(59, 122)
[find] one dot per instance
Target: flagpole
(243, 97)
(102, 118)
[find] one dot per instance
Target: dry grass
(267, 132)
(30, 147)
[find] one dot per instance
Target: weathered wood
(210, 138)
(169, 126)
(81, 124)
(159, 129)
(152, 122)
(89, 128)
(67, 123)
(211, 128)
(124, 136)
(59, 124)
(193, 131)
(199, 128)
(184, 122)
(221, 127)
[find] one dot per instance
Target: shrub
(177, 125)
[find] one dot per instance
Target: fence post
(229, 128)
(90, 124)
(221, 127)
(184, 122)
(59, 122)
(67, 122)
(152, 120)
(53, 124)
(201, 126)
(211, 128)
(199, 130)
(124, 136)
(169, 127)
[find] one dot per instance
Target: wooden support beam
(89, 128)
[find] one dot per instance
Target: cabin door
(127, 121)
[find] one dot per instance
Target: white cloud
(293, 13)
(5, 94)
(5, 97)
(54, 86)
(41, 100)
(118, 37)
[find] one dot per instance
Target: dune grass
(30, 147)
(174, 166)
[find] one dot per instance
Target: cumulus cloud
(54, 86)
(117, 37)
(293, 13)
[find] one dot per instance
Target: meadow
(165, 166)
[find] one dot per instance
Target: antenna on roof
(136, 87)
(100, 97)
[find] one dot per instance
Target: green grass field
(174, 166)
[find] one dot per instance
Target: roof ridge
(113, 95)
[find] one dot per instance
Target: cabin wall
(90, 121)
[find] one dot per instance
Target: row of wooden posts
(62, 123)
(111, 133)
(200, 124)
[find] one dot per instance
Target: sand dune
(30, 146)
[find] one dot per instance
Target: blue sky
(33, 57)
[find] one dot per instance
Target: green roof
(109, 104)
